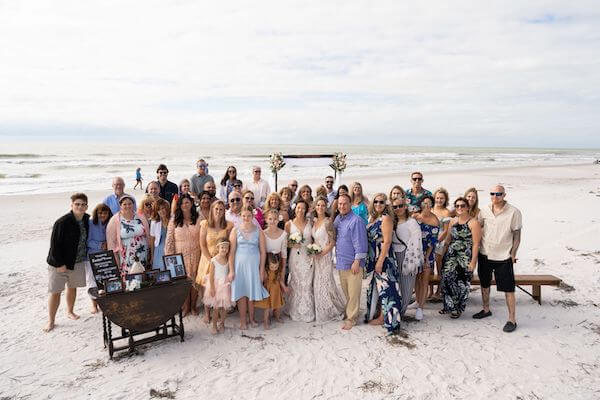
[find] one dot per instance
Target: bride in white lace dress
(329, 302)
(301, 301)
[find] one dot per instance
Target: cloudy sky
(512, 73)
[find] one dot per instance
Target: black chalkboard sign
(104, 267)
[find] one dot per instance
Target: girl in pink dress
(218, 287)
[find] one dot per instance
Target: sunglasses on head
(497, 194)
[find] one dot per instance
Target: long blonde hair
(473, 211)
(363, 198)
(387, 208)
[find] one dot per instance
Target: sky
(502, 73)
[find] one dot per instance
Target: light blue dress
(159, 251)
(362, 211)
(246, 282)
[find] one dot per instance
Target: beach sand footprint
(372, 386)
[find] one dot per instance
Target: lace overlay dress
(329, 302)
(301, 302)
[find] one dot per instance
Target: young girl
(218, 287)
(276, 245)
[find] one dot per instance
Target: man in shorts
(67, 257)
(500, 239)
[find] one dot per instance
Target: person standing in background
(138, 179)
(259, 187)
(199, 179)
(226, 186)
(168, 189)
(112, 200)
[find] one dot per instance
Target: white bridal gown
(329, 303)
(301, 301)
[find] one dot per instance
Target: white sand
(554, 354)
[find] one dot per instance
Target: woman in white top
(408, 248)
(158, 233)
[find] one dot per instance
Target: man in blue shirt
(351, 251)
(112, 200)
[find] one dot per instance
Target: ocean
(57, 167)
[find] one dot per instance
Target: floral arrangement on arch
(276, 162)
(339, 162)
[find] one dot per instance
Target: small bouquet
(295, 238)
(313, 248)
(338, 162)
(276, 162)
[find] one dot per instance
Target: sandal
(454, 315)
(443, 312)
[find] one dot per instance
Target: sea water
(50, 168)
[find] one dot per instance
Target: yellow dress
(212, 235)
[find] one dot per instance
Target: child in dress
(218, 287)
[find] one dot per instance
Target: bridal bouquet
(276, 162)
(313, 248)
(339, 162)
(295, 238)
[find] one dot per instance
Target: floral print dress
(384, 287)
(456, 278)
(429, 239)
(134, 243)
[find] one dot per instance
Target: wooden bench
(535, 281)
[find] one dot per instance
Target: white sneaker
(412, 305)
(419, 314)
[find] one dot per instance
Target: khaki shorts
(73, 278)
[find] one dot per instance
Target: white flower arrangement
(313, 248)
(276, 162)
(295, 238)
(338, 162)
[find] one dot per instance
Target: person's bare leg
(222, 314)
(71, 296)
(438, 267)
(53, 303)
(251, 312)
(379, 320)
(485, 299)
(194, 301)
(215, 318)
(94, 308)
(243, 307)
(267, 317)
(511, 303)
(277, 315)
(423, 287)
(186, 306)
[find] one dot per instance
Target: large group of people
(248, 247)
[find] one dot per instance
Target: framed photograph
(114, 285)
(134, 281)
(175, 265)
(150, 276)
(104, 267)
(163, 277)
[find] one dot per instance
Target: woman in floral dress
(383, 292)
(461, 259)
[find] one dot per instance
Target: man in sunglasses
(500, 239)
(330, 191)
(199, 179)
(235, 206)
(168, 189)
(259, 187)
(416, 192)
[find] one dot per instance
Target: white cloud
(434, 72)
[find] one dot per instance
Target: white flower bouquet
(295, 238)
(338, 162)
(313, 248)
(276, 162)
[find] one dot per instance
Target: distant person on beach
(153, 189)
(168, 189)
(500, 240)
(329, 181)
(68, 257)
(351, 251)
(226, 185)
(416, 192)
(138, 179)
(112, 200)
(461, 259)
(259, 187)
(199, 179)
(96, 242)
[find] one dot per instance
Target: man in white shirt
(330, 191)
(259, 187)
(235, 206)
(500, 239)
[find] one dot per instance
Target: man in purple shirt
(351, 252)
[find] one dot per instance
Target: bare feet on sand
(73, 316)
(347, 325)
(376, 321)
(49, 326)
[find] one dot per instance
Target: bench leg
(537, 293)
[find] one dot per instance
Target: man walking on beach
(112, 200)
(168, 189)
(199, 179)
(500, 239)
(259, 187)
(351, 252)
(330, 191)
(67, 257)
(416, 192)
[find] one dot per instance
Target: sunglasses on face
(148, 205)
(249, 198)
(201, 166)
(398, 206)
(329, 182)
(497, 194)
(293, 185)
(162, 172)
(461, 205)
(417, 179)
(257, 171)
(378, 202)
(235, 200)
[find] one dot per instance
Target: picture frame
(104, 267)
(150, 276)
(163, 277)
(113, 285)
(175, 265)
(134, 281)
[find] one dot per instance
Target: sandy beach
(554, 353)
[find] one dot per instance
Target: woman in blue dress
(158, 232)
(461, 259)
(430, 228)
(360, 203)
(247, 266)
(383, 292)
(96, 242)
